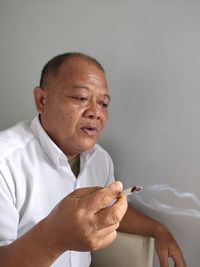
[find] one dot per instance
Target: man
(46, 218)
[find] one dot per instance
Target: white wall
(150, 50)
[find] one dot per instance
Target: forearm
(166, 246)
(33, 249)
(138, 223)
(63, 229)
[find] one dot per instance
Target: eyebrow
(84, 87)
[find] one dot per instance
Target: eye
(104, 104)
(80, 98)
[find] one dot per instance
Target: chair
(127, 250)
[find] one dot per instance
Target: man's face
(76, 106)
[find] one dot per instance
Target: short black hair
(54, 64)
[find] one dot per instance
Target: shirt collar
(52, 151)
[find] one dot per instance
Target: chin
(87, 146)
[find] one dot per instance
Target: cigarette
(131, 190)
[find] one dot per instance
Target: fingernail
(120, 185)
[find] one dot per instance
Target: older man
(57, 184)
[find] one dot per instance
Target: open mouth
(90, 131)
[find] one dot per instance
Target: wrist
(159, 230)
(48, 240)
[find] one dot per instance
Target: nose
(93, 111)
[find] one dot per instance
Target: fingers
(104, 197)
(108, 230)
(103, 237)
(98, 202)
(108, 239)
(86, 205)
(178, 260)
(163, 259)
(113, 214)
(169, 250)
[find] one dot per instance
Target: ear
(40, 98)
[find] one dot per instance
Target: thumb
(104, 197)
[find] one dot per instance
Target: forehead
(77, 70)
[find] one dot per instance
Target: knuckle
(104, 199)
(89, 228)
(115, 216)
(117, 225)
(80, 213)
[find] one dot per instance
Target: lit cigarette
(131, 190)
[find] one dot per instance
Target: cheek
(105, 117)
(73, 115)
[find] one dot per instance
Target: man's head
(73, 101)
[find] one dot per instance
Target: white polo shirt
(35, 176)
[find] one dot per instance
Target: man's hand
(166, 247)
(86, 219)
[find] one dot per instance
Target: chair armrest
(127, 250)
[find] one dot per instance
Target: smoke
(168, 200)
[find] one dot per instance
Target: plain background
(150, 50)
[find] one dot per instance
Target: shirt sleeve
(111, 178)
(9, 216)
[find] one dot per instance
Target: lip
(89, 130)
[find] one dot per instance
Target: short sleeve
(111, 178)
(9, 216)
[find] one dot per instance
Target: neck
(71, 157)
